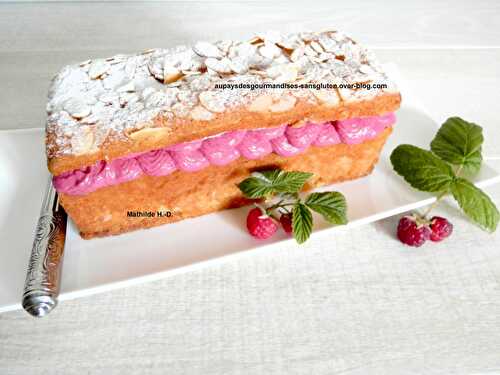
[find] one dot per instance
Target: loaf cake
(135, 141)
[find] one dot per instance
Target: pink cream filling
(220, 150)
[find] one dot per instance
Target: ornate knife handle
(44, 269)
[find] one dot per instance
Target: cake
(135, 141)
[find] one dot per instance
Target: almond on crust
(103, 109)
(172, 132)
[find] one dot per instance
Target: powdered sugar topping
(108, 99)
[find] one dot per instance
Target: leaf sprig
(284, 187)
(455, 151)
(267, 183)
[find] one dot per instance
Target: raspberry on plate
(413, 232)
(440, 228)
(286, 222)
(260, 225)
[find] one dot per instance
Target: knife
(43, 277)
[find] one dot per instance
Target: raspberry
(286, 222)
(260, 225)
(441, 228)
(413, 233)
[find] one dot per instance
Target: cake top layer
(107, 99)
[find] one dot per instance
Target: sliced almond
(208, 99)
(349, 95)
(147, 91)
(193, 63)
(171, 74)
(77, 108)
(336, 35)
(128, 87)
(83, 141)
(128, 98)
(206, 49)
(282, 59)
(328, 44)
(297, 54)
(327, 97)
(135, 107)
(306, 36)
(130, 68)
(270, 51)
(89, 120)
(239, 65)
(109, 97)
(366, 69)
(261, 104)
(283, 73)
(148, 133)
(156, 99)
(285, 103)
(116, 58)
(257, 72)
(325, 56)
(261, 62)
(84, 63)
(181, 110)
(256, 40)
(271, 36)
(308, 51)
(289, 75)
(201, 114)
(224, 45)
(98, 68)
(244, 49)
(219, 66)
(317, 47)
(274, 71)
(113, 80)
(155, 67)
(288, 45)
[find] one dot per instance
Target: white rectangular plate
(103, 264)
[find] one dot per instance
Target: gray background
(356, 302)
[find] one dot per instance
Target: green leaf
(285, 181)
(459, 142)
(302, 222)
(476, 204)
(254, 187)
(265, 183)
(422, 169)
(331, 205)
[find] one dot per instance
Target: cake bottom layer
(180, 195)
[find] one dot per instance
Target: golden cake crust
(186, 195)
(102, 109)
(169, 132)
